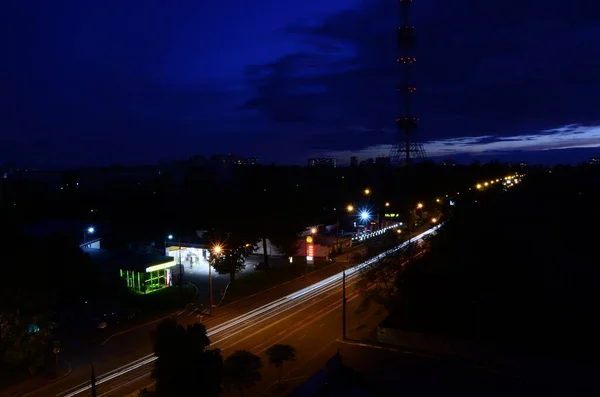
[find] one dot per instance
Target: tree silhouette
(279, 354)
(242, 370)
(184, 362)
(235, 247)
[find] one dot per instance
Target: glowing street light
(364, 215)
(313, 230)
(420, 206)
(89, 230)
(170, 237)
(437, 200)
(433, 220)
(478, 186)
(217, 249)
(387, 204)
(350, 208)
(367, 191)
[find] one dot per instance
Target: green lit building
(143, 273)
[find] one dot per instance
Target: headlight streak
(277, 307)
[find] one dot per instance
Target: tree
(242, 370)
(184, 362)
(233, 249)
(26, 302)
(284, 228)
(279, 354)
(378, 278)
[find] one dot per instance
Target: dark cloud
(485, 69)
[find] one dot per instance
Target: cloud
(483, 71)
(563, 138)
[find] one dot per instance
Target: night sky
(92, 82)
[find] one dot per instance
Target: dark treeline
(516, 269)
(188, 198)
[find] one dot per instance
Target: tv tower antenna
(406, 150)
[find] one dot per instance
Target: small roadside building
(143, 273)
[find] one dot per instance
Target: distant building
(595, 161)
(353, 161)
(521, 164)
(322, 162)
(383, 160)
(230, 159)
(448, 163)
(367, 162)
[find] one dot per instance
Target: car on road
(261, 266)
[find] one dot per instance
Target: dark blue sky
(103, 81)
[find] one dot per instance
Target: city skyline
(107, 84)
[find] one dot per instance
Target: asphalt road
(311, 323)
(268, 316)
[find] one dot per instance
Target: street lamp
(367, 192)
(217, 250)
(433, 220)
(89, 230)
(350, 209)
(170, 237)
(387, 204)
(313, 230)
(420, 206)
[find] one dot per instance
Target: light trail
(266, 312)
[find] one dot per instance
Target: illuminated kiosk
(143, 273)
(154, 277)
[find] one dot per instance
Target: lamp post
(90, 230)
(349, 209)
(344, 305)
(93, 381)
(170, 237)
(217, 249)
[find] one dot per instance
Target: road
(249, 325)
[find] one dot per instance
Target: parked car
(261, 266)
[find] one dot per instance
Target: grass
(260, 281)
(166, 298)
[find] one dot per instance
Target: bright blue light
(364, 215)
(91, 230)
(170, 237)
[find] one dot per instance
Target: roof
(127, 260)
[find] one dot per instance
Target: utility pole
(344, 305)
(93, 380)
(210, 289)
(180, 266)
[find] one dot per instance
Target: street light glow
(313, 230)
(364, 215)
(170, 237)
(91, 230)
(387, 204)
(420, 205)
(433, 220)
(350, 208)
(217, 249)
(367, 191)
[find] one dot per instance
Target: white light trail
(276, 307)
